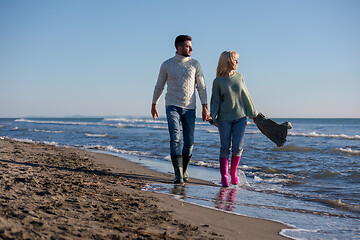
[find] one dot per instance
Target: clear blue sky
(101, 58)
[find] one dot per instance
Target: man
(182, 74)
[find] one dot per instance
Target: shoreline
(108, 201)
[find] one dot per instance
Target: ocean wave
(281, 178)
(60, 122)
(348, 151)
(32, 141)
(97, 135)
(212, 130)
(325, 174)
(117, 150)
(314, 134)
(119, 125)
(353, 176)
(290, 148)
(253, 132)
(338, 203)
(35, 130)
(205, 164)
(259, 175)
(246, 167)
(129, 120)
(46, 131)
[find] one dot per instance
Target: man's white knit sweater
(182, 75)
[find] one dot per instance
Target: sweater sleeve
(200, 84)
(249, 106)
(160, 84)
(215, 100)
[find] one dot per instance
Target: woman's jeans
(175, 115)
(232, 137)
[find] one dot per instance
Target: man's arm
(159, 87)
(201, 88)
(154, 111)
(200, 85)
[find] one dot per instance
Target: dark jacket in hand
(275, 132)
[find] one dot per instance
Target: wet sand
(49, 192)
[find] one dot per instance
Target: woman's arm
(250, 109)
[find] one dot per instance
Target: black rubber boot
(186, 161)
(177, 162)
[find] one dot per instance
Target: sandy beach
(50, 192)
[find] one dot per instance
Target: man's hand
(205, 113)
(154, 111)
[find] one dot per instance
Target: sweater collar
(180, 58)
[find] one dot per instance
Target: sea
(312, 183)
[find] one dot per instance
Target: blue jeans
(232, 136)
(175, 115)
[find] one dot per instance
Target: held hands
(154, 111)
(205, 113)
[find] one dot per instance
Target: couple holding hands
(230, 107)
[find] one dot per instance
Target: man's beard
(185, 54)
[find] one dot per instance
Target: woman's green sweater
(230, 99)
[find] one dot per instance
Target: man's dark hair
(181, 39)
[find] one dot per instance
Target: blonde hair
(227, 59)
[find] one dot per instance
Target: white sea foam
(212, 130)
(348, 151)
(21, 139)
(242, 179)
(314, 134)
(276, 180)
(246, 167)
(253, 132)
(59, 122)
(205, 164)
(129, 120)
(97, 135)
(117, 150)
(147, 126)
(257, 179)
(120, 125)
(46, 131)
(32, 141)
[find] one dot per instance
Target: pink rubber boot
(224, 170)
(235, 160)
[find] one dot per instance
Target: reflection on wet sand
(179, 190)
(225, 199)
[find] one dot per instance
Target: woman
(231, 104)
